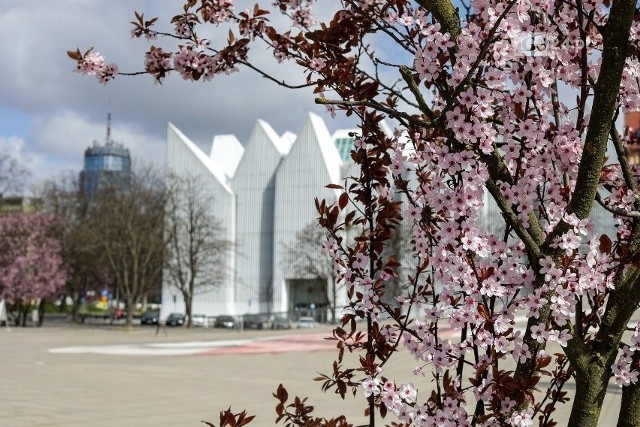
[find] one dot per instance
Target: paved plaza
(80, 376)
(76, 376)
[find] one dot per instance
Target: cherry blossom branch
(581, 12)
(622, 159)
(584, 68)
(615, 40)
(273, 79)
(445, 13)
(498, 171)
(389, 30)
(390, 90)
(616, 211)
(413, 87)
(558, 382)
(477, 137)
(369, 218)
(481, 57)
(137, 73)
(531, 245)
(376, 106)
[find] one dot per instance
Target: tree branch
(621, 212)
(415, 90)
(376, 106)
(622, 158)
(615, 40)
(531, 245)
(445, 13)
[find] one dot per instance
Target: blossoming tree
(510, 102)
(31, 266)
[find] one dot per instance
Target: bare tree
(305, 259)
(128, 224)
(13, 175)
(196, 247)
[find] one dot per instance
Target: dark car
(175, 319)
(150, 318)
(281, 322)
(224, 321)
(255, 321)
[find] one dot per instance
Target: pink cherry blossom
(485, 170)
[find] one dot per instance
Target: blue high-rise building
(105, 165)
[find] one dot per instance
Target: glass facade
(105, 165)
(344, 146)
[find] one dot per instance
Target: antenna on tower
(108, 141)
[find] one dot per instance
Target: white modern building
(263, 194)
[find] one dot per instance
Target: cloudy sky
(50, 114)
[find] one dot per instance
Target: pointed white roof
(226, 152)
(329, 151)
(281, 145)
(211, 166)
(386, 128)
(288, 138)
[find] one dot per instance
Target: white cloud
(67, 111)
(12, 146)
(35, 164)
(66, 135)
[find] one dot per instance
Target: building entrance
(308, 297)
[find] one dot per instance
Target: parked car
(150, 317)
(281, 322)
(225, 321)
(255, 321)
(306, 323)
(200, 320)
(175, 319)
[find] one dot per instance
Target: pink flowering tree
(501, 104)
(31, 267)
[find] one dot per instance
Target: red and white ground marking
(271, 345)
(283, 344)
(268, 345)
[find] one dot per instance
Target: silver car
(306, 323)
(200, 320)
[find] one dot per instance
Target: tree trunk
(591, 387)
(145, 301)
(75, 308)
(41, 308)
(629, 415)
(130, 307)
(24, 312)
(187, 309)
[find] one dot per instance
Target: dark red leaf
(344, 199)
(605, 244)
(334, 186)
